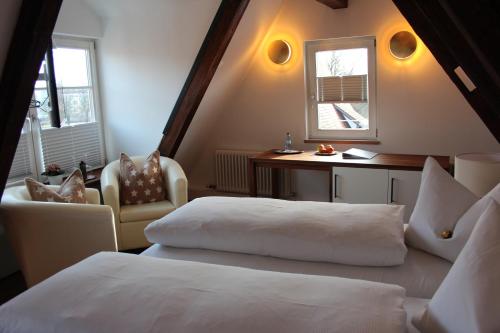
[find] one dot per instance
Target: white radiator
(231, 168)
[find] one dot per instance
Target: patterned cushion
(138, 187)
(72, 190)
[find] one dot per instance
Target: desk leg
(252, 178)
(330, 173)
(275, 183)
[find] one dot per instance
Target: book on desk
(355, 153)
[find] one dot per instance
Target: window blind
(69, 145)
(21, 166)
(342, 89)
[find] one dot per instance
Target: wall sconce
(403, 45)
(279, 51)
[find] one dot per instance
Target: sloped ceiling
(463, 34)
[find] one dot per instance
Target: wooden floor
(13, 285)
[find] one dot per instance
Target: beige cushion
(72, 190)
(148, 211)
(141, 184)
(468, 299)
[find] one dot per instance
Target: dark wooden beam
(209, 56)
(335, 4)
(463, 33)
(32, 33)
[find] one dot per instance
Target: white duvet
(116, 292)
(365, 235)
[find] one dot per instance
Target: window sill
(346, 141)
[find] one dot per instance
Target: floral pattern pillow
(72, 190)
(139, 186)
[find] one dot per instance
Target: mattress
(420, 275)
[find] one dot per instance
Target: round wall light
(403, 45)
(279, 51)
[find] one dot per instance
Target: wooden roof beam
(30, 40)
(461, 34)
(219, 35)
(335, 4)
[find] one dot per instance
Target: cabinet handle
(392, 190)
(335, 186)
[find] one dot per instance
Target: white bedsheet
(414, 308)
(421, 274)
(116, 292)
(361, 234)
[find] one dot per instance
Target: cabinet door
(360, 185)
(403, 189)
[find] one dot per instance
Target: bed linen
(414, 308)
(117, 292)
(420, 274)
(361, 234)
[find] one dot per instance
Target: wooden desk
(309, 161)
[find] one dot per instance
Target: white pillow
(365, 235)
(468, 299)
(440, 204)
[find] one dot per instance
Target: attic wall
(420, 111)
(143, 59)
(77, 19)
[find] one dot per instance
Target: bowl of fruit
(325, 150)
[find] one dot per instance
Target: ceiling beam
(209, 56)
(463, 34)
(29, 42)
(335, 4)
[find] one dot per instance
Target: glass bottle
(288, 141)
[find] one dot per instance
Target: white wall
(143, 59)
(420, 111)
(8, 19)
(77, 19)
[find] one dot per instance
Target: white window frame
(34, 132)
(312, 128)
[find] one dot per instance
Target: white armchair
(132, 219)
(47, 237)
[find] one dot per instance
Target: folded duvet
(361, 234)
(113, 292)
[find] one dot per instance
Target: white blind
(69, 145)
(347, 89)
(21, 166)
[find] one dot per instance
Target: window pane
(71, 67)
(338, 116)
(342, 62)
(75, 105)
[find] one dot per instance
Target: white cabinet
(359, 185)
(364, 185)
(403, 189)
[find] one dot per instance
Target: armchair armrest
(48, 237)
(175, 182)
(110, 188)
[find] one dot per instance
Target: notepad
(355, 153)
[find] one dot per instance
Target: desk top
(308, 160)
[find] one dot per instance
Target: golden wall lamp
(403, 45)
(279, 51)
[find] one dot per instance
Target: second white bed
(421, 274)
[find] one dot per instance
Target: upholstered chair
(47, 237)
(131, 220)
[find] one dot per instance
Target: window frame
(331, 44)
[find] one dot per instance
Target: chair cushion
(147, 211)
(138, 187)
(71, 190)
